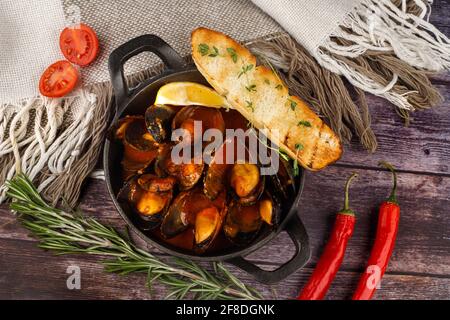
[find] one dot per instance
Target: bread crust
(263, 98)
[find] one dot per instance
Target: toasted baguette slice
(260, 96)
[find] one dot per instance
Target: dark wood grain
(423, 146)
(420, 266)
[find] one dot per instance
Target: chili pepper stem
(392, 197)
(346, 209)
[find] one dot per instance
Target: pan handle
(297, 233)
(146, 42)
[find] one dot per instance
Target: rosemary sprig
(66, 233)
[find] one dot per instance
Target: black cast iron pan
(134, 101)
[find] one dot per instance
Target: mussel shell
(139, 147)
(242, 223)
(132, 193)
(282, 184)
(252, 197)
(136, 136)
(210, 118)
(187, 174)
(158, 121)
(208, 223)
(216, 175)
(153, 183)
(183, 210)
(176, 220)
(270, 209)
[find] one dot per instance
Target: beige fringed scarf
(385, 47)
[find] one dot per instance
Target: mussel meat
(269, 210)
(246, 182)
(242, 223)
(208, 223)
(158, 119)
(150, 206)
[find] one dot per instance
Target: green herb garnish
(203, 48)
(250, 105)
(279, 87)
(245, 69)
(251, 88)
(304, 123)
(298, 147)
(293, 104)
(215, 52)
(266, 81)
(233, 54)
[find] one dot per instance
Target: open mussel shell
(149, 206)
(242, 223)
(192, 209)
(269, 210)
(247, 183)
(153, 183)
(140, 149)
(215, 180)
(282, 184)
(178, 217)
(208, 223)
(158, 119)
(210, 118)
(187, 174)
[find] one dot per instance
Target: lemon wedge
(189, 93)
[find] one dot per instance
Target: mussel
(158, 119)
(192, 209)
(150, 204)
(178, 217)
(208, 223)
(242, 223)
(269, 210)
(247, 183)
(209, 117)
(216, 174)
(282, 184)
(153, 183)
(140, 149)
(187, 174)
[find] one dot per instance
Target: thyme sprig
(66, 233)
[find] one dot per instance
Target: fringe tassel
(57, 142)
(387, 48)
(324, 90)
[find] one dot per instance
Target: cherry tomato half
(79, 44)
(58, 79)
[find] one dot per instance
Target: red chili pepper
(388, 218)
(332, 257)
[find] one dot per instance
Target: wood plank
(424, 146)
(30, 273)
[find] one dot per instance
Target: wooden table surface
(420, 265)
